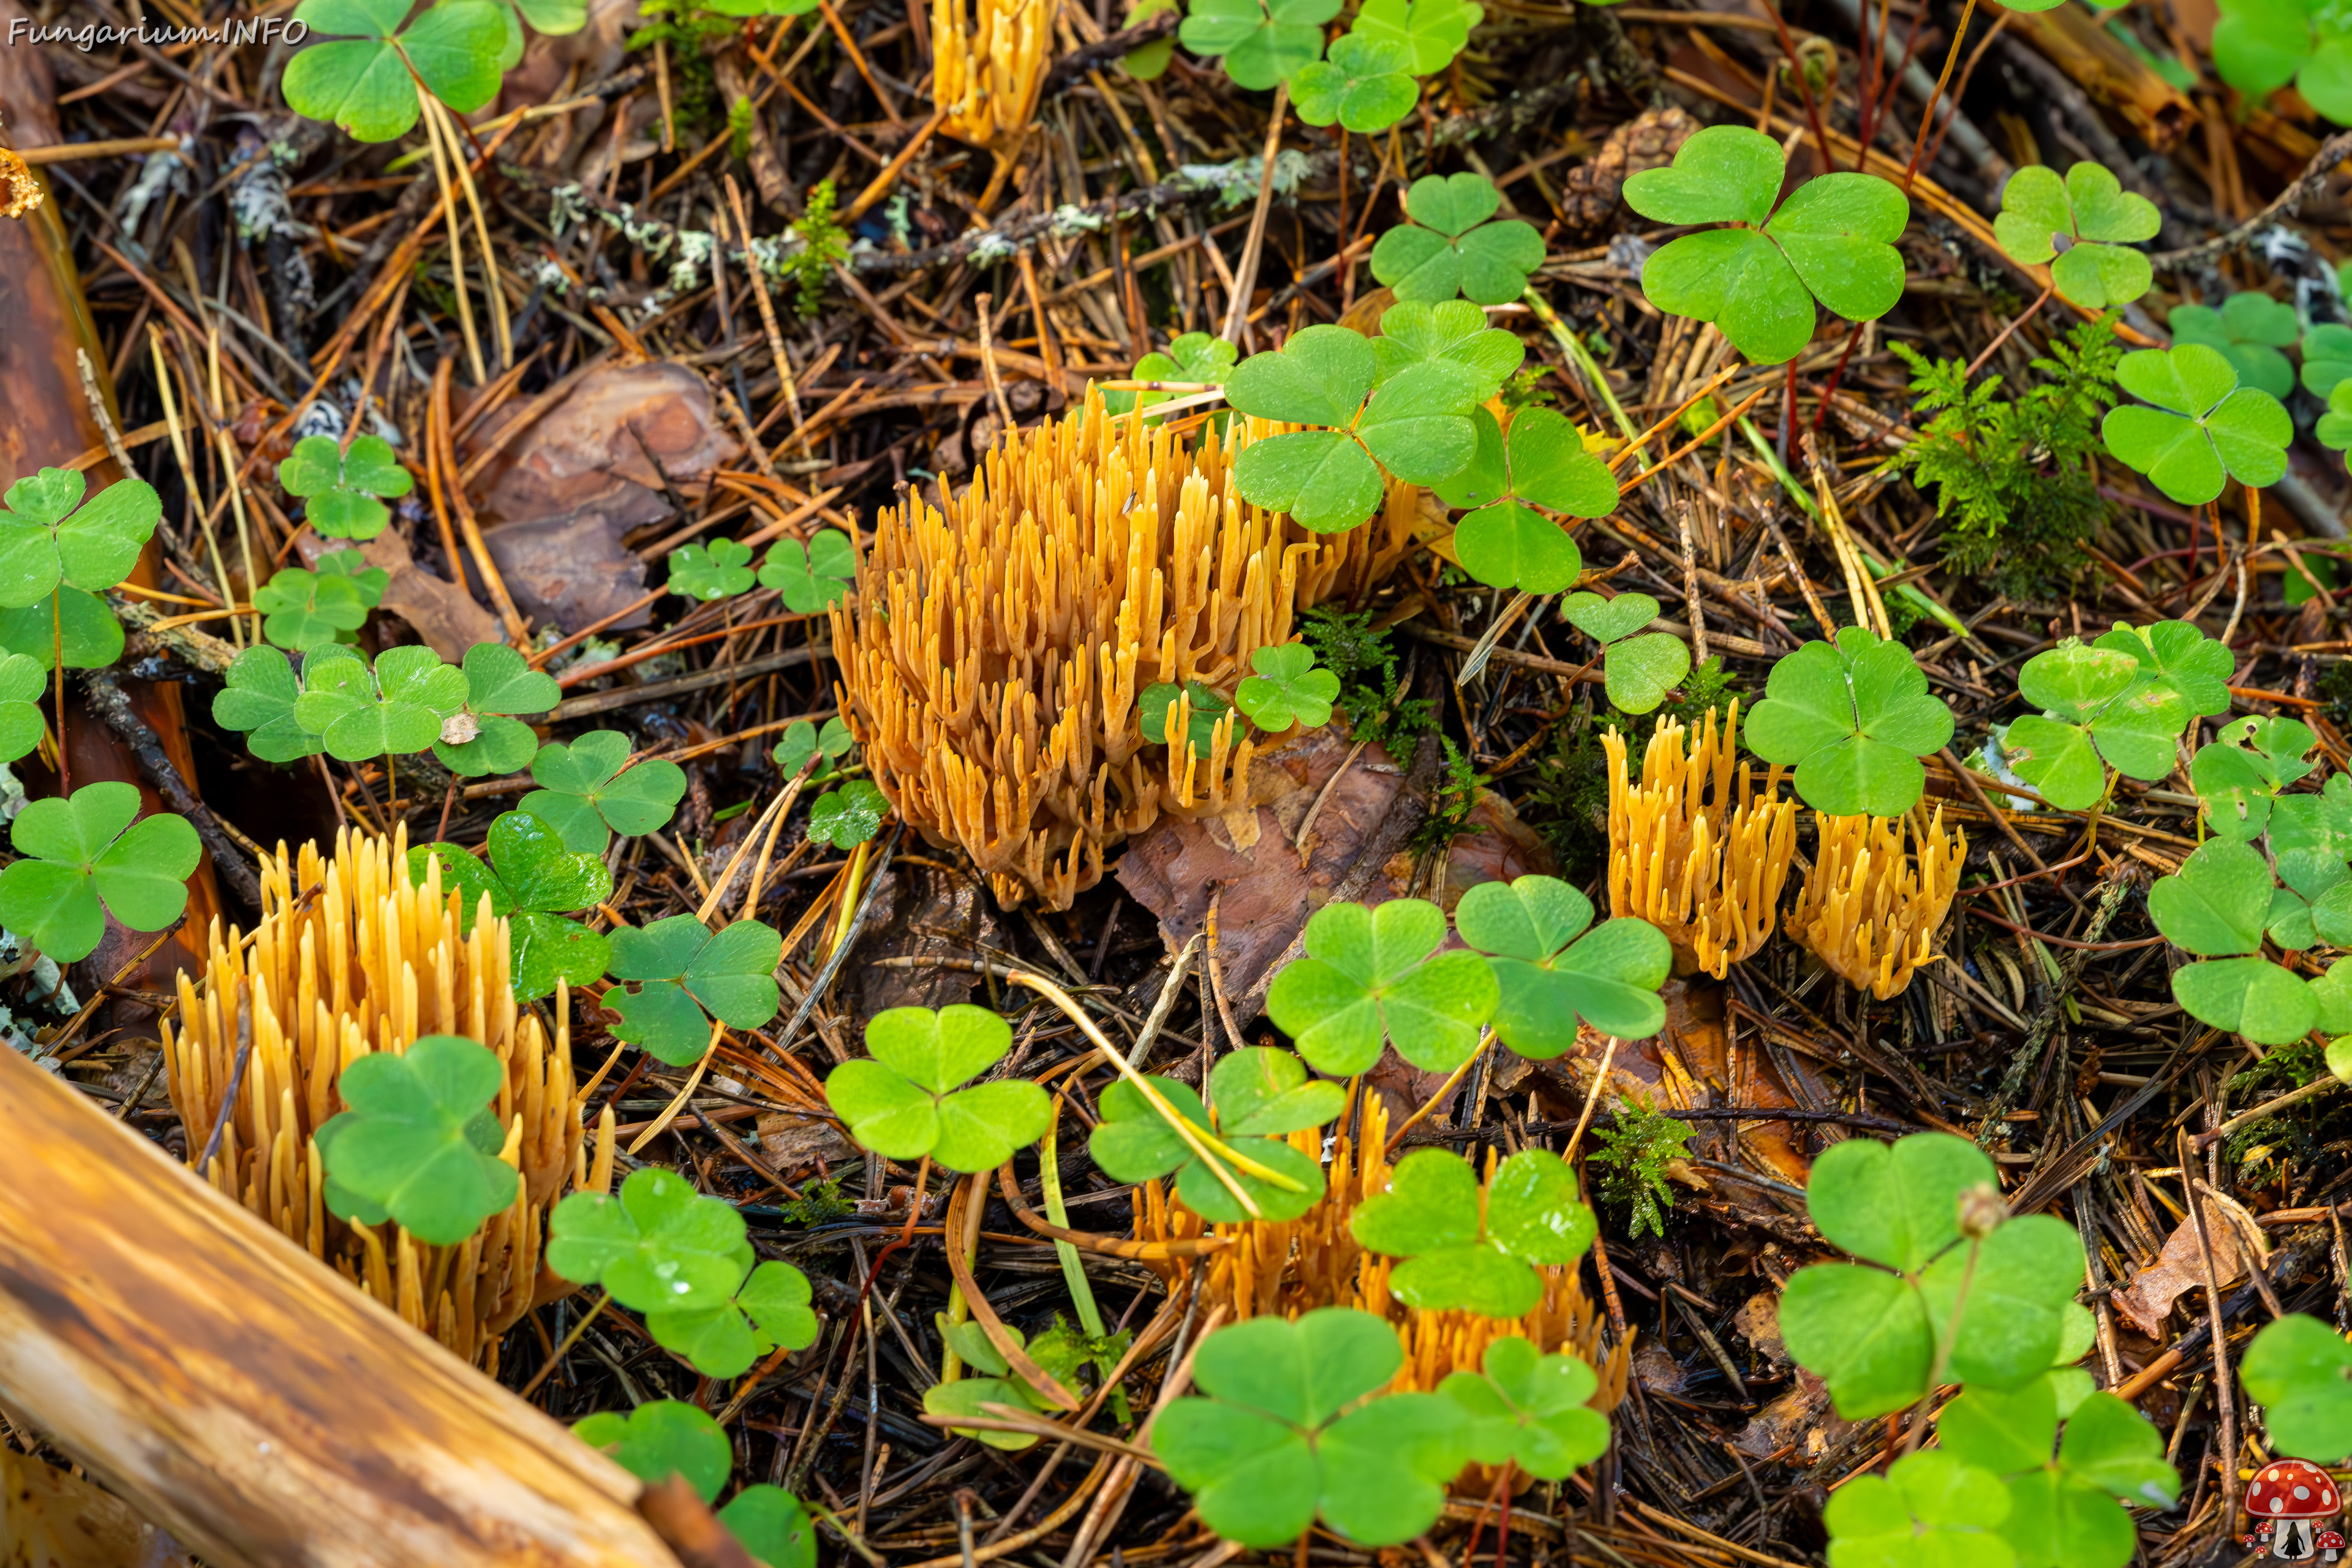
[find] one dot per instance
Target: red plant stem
(1852, 337)
(1787, 413)
(1927, 115)
(1804, 89)
(1962, 91)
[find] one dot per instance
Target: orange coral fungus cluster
(1866, 908)
(1288, 1267)
(992, 653)
(1697, 848)
(349, 959)
(986, 73)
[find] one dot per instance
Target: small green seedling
(1757, 279)
(1262, 43)
(1639, 670)
(1261, 1094)
(1550, 971)
(2217, 906)
(398, 707)
(2091, 210)
(419, 1145)
(530, 880)
(806, 746)
(482, 737)
(661, 1439)
(1156, 709)
(2205, 428)
(344, 492)
(307, 609)
(2120, 702)
(1287, 691)
(256, 697)
(1059, 1355)
(2065, 1493)
(71, 622)
(2249, 331)
(1539, 466)
(1872, 1331)
(49, 536)
(1450, 247)
(812, 576)
(2260, 46)
(1194, 356)
(1435, 30)
(1365, 84)
(2300, 1370)
(1413, 425)
(1375, 975)
(22, 681)
(1854, 718)
(1293, 1429)
(719, 569)
(1478, 1253)
(1530, 1410)
(588, 791)
(687, 975)
(85, 858)
(663, 1250)
(848, 816)
(1930, 1507)
(909, 1101)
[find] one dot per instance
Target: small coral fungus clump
(1284, 1268)
(987, 74)
(349, 959)
(1697, 849)
(1866, 908)
(993, 654)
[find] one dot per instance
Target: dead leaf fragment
(2146, 1298)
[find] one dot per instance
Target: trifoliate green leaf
(44, 541)
(420, 1143)
(1464, 1254)
(498, 682)
(2248, 330)
(1853, 718)
(1262, 43)
(85, 858)
(2091, 210)
(1375, 975)
(848, 816)
(398, 707)
(1366, 85)
(1451, 248)
(258, 697)
(810, 577)
(1260, 1093)
(803, 742)
(906, 1102)
(719, 570)
(661, 1439)
(366, 85)
(2205, 429)
(1530, 1409)
(588, 791)
(1548, 978)
(343, 491)
(532, 881)
(1287, 689)
(691, 974)
(1433, 31)
(1931, 1510)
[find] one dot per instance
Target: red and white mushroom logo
(2290, 1502)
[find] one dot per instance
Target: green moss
(1634, 1157)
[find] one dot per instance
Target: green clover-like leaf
(85, 858)
(661, 1439)
(1156, 709)
(2064, 1493)
(1287, 689)
(588, 791)
(689, 975)
(1194, 356)
(1262, 43)
(848, 816)
(2248, 330)
(420, 1143)
(22, 681)
(2205, 430)
(2300, 1370)
(810, 577)
(1285, 1434)
(2240, 775)
(804, 744)
(397, 707)
(2327, 358)
(2096, 215)
(343, 491)
(1135, 1143)
(1830, 240)
(1433, 31)
(535, 882)
(70, 621)
(1366, 84)
(906, 1102)
(308, 609)
(1451, 330)
(771, 1523)
(1451, 248)
(1464, 1254)
(1375, 975)
(1504, 542)
(45, 540)
(498, 682)
(1896, 1204)
(366, 85)
(1930, 1508)
(719, 570)
(1550, 972)
(1853, 718)
(258, 697)
(1530, 1409)
(2122, 701)
(657, 1246)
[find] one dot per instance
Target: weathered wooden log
(241, 1395)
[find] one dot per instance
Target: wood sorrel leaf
(2301, 1372)
(661, 1439)
(659, 1246)
(1366, 85)
(810, 577)
(1853, 718)
(1135, 1143)
(420, 1143)
(587, 796)
(536, 879)
(2096, 215)
(1930, 1508)
(258, 697)
(906, 1102)
(44, 539)
(2248, 330)
(1548, 978)
(1464, 1254)
(719, 570)
(1450, 247)
(85, 858)
(1530, 1409)
(343, 490)
(1432, 31)
(771, 1524)
(1371, 974)
(2205, 429)
(1262, 43)
(1287, 689)
(1895, 1204)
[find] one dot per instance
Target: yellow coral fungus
(1698, 849)
(19, 192)
(1866, 908)
(993, 654)
(349, 959)
(1289, 1267)
(987, 73)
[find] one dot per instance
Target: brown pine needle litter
(992, 654)
(1698, 848)
(350, 958)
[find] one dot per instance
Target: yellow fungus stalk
(1867, 910)
(350, 958)
(1698, 848)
